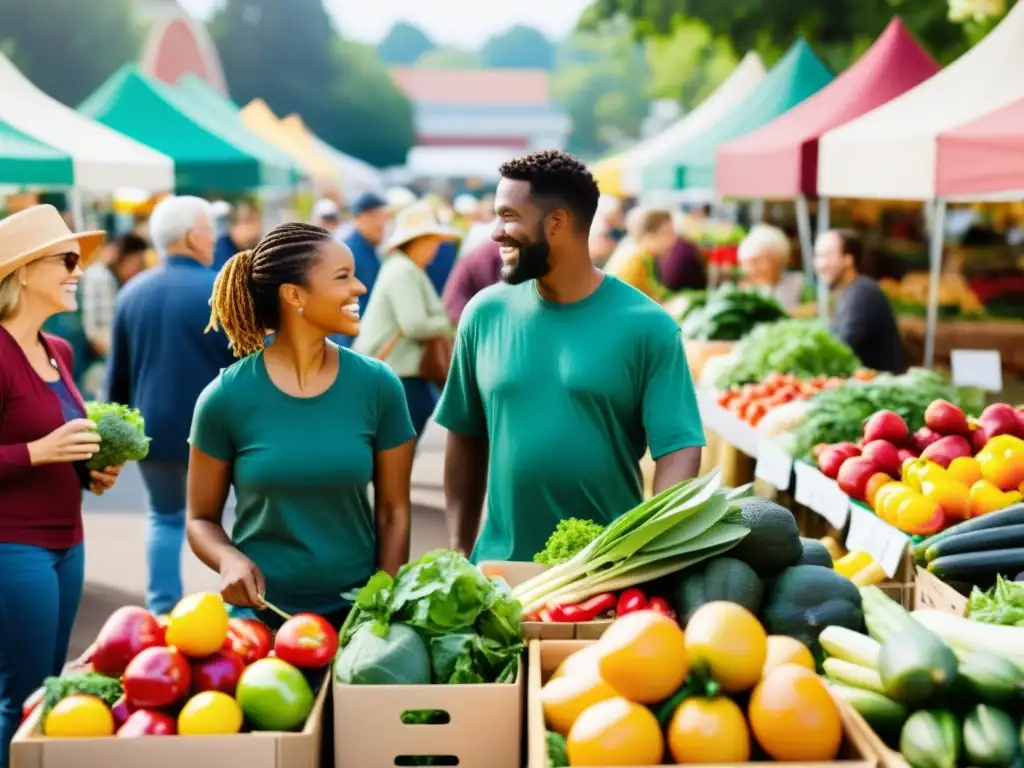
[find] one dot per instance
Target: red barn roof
(509, 87)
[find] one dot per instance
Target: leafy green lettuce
(471, 623)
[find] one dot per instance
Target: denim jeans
(422, 397)
(165, 531)
(39, 594)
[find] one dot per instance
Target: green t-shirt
(569, 396)
(301, 468)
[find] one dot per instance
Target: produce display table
(1005, 336)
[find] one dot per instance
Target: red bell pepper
(631, 600)
(660, 605)
(588, 610)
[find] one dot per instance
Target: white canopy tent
(747, 75)
(890, 153)
(104, 160)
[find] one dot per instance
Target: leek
(676, 529)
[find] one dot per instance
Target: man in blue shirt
(243, 231)
(160, 360)
(370, 217)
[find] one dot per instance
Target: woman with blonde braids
(299, 429)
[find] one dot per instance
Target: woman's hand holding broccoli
(74, 441)
(103, 481)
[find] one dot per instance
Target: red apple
(950, 447)
(905, 455)
(886, 425)
(923, 438)
(883, 455)
(121, 711)
(978, 437)
(854, 475)
(250, 639)
(945, 418)
(830, 460)
(156, 678)
(147, 722)
(129, 631)
(306, 641)
(1000, 419)
(219, 672)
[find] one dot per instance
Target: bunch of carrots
(751, 402)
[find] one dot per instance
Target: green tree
(601, 78)
(448, 58)
(839, 29)
(67, 47)
(688, 64)
(290, 56)
(518, 47)
(404, 44)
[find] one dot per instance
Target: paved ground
(115, 540)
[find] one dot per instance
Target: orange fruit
(793, 716)
(730, 642)
(709, 731)
(615, 732)
(783, 649)
(643, 656)
(564, 698)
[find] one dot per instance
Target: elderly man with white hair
(764, 258)
(160, 360)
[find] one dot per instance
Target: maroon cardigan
(41, 506)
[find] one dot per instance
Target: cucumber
(992, 679)
(845, 644)
(978, 567)
(884, 715)
(990, 738)
(931, 738)
(1012, 515)
(977, 541)
(916, 668)
(853, 674)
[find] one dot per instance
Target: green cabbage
(398, 658)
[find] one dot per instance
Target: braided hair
(245, 302)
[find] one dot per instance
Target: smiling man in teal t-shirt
(561, 379)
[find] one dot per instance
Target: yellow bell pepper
(917, 471)
(869, 575)
(852, 562)
(918, 515)
(954, 497)
(986, 497)
(965, 469)
(1002, 462)
(888, 499)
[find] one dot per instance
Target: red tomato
(306, 641)
(145, 722)
(249, 638)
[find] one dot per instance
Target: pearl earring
(300, 310)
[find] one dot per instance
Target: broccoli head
(122, 434)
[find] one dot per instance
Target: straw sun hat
(27, 235)
(418, 220)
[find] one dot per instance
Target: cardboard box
(546, 655)
(262, 749)
(932, 592)
(902, 593)
(515, 574)
(483, 729)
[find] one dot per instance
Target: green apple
(274, 695)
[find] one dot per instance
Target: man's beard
(534, 261)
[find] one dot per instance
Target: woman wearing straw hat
(44, 441)
(406, 324)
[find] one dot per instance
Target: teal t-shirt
(301, 469)
(569, 397)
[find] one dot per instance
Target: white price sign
(774, 465)
(982, 368)
(822, 495)
(871, 534)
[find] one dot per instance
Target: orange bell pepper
(986, 497)
(918, 515)
(952, 496)
(965, 469)
(1002, 462)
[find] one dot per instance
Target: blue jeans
(422, 397)
(39, 594)
(165, 531)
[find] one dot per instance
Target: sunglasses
(71, 260)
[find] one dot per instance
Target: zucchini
(884, 715)
(992, 679)
(853, 674)
(1012, 515)
(977, 541)
(931, 739)
(978, 567)
(990, 738)
(845, 644)
(917, 669)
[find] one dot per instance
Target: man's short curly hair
(557, 179)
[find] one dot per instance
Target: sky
(463, 23)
